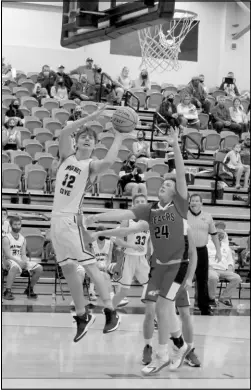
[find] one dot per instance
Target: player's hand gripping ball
(125, 119)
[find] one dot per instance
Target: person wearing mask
(86, 69)
(59, 90)
(141, 148)
(15, 112)
(11, 137)
(199, 95)
(67, 80)
(188, 114)
(221, 118)
(143, 82)
(202, 225)
(79, 89)
(15, 260)
(222, 270)
(168, 110)
(75, 114)
(238, 116)
(228, 85)
(235, 165)
(47, 78)
(131, 177)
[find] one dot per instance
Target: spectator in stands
(67, 80)
(245, 150)
(221, 118)
(223, 269)
(198, 94)
(233, 161)
(59, 90)
(168, 110)
(238, 116)
(76, 114)
(11, 137)
(188, 113)
(78, 89)
(47, 78)
(143, 82)
(131, 177)
(36, 91)
(245, 254)
(228, 85)
(14, 112)
(124, 79)
(202, 82)
(86, 69)
(40, 93)
(6, 229)
(8, 73)
(15, 260)
(141, 148)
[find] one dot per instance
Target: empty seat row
(210, 140)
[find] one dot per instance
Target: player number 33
(161, 232)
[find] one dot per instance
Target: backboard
(88, 22)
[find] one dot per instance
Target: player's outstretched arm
(123, 231)
(181, 185)
(65, 141)
(110, 216)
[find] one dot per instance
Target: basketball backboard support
(88, 22)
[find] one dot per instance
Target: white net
(159, 48)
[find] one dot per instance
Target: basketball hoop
(159, 49)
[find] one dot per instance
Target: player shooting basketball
(169, 262)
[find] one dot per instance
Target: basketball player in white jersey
(15, 260)
(69, 238)
(5, 223)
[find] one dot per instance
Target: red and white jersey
(137, 239)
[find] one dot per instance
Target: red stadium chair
(128, 142)
(61, 115)
(218, 93)
(107, 139)
(168, 90)
(51, 147)
(11, 176)
(49, 104)
(28, 84)
(123, 153)
(32, 122)
(162, 169)
(32, 76)
(32, 147)
(211, 141)
(153, 185)
(25, 111)
(154, 100)
(155, 87)
(20, 92)
(25, 134)
(89, 107)
(204, 119)
(52, 125)
(6, 91)
(96, 126)
(5, 157)
(21, 159)
(35, 243)
(7, 99)
(103, 120)
(12, 84)
(40, 112)
(68, 105)
(228, 139)
(116, 167)
(142, 165)
(44, 159)
(141, 95)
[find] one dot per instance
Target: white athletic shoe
(156, 365)
(178, 356)
(123, 303)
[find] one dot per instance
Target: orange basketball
(125, 119)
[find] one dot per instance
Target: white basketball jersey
(138, 239)
(71, 183)
(101, 254)
(16, 245)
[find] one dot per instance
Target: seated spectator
(202, 82)
(78, 89)
(6, 229)
(67, 80)
(233, 161)
(124, 79)
(238, 116)
(168, 110)
(143, 82)
(188, 113)
(86, 69)
(198, 95)
(228, 85)
(245, 253)
(131, 177)
(11, 137)
(245, 150)
(36, 91)
(221, 118)
(76, 114)
(8, 73)
(141, 148)
(47, 78)
(14, 112)
(222, 270)
(59, 90)
(15, 260)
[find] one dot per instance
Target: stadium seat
(204, 119)
(7, 99)
(107, 139)
(100, 152)
(162, 169)
(103, 120)
(228, 140)
(43, 135)
(5, 157)
(51, 147)
(28, 84)
(149, 174)
(29, 102)
(21, 74)
(69, 105)
(141, 95)
(32, 122)
(192, 141)
(61, 115)
(21, 158)
(11, 176)
(168, 90)
(49, 104)
(44, 159)
(4, 109)
(123, 153)
(40, 113)
(21, 79)
(211, 142)
(57, 134)
(6, 91)
(25, 110)
(228, 102)
(155, 87)
(212, 100)
(32, 76)
(52, 124)
(35, 243)
(107, 183)
(19, 92)
(153, 184)
(177, 99)
(12, 84)
(154, 100)
(32, 147)
(89, 107)
(142, 165)
(25, 134)
(35, 177)
(117, 166)
(96, 126)
(218, 93)
(128, 142)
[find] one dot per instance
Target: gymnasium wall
(31, 38)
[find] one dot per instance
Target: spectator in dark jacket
(87, 70)
(14, 112)
(67, 80)
(78, 89)
(228, 85)
(47, 78)
(75, 114)
(221, 118)
(168, 110)
(199, 95)
(131, 177)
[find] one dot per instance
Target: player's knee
(92, 270)
(38, 270)
(150, 311)
(184, 313)
(236, 278)
(14, 269)
(69, 268)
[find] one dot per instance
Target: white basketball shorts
(134, 266)
(68, 240)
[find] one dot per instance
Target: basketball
(125, 119)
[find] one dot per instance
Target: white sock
(190, 345)
(149, 342)
(162, 350)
